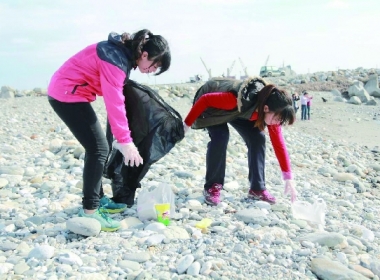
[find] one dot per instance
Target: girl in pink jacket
(102, 69)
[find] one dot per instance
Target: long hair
(155, 45)
(278, 101)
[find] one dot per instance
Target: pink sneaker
(262, 195)
(212, 195)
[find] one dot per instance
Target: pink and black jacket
(100, 69)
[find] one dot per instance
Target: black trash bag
(155, 128)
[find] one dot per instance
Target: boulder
(372, 86)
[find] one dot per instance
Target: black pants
(217, 150)
(82, 121)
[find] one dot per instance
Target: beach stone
(342, 177)
(156, 227)
(78, 152)
(253, 216)
(20, 268)
(84, 226)
(194, 269)
(139, 257)
(372, 86)
(184, 174)
(329, 239)
(375, 166)
(184, 263)
(175, 232)
(8, 246)
(3, 182)
(70, 258)
(131, 222)
(375, 267)
(193, 204)
(231, 186)
(125, 264)
(42, 252)
(12, 170)
(363, 271)
(155, 239)
(55, 145)
(332, 270)
(93, 276)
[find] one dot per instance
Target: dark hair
(278, 101)
(155, 45)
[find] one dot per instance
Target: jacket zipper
(75, 87)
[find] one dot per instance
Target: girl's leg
(81, 119)
(216, 155)
(255, 141)
(308, 112)
(303, 112)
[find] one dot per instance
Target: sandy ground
(338, 121)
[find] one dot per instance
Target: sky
(311, 35)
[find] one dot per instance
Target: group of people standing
(305, 104)
(102, 69)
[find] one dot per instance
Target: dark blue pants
(217, 150)
(303, 112)
(82, 121)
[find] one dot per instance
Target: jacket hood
(250, 87)
(115, 38)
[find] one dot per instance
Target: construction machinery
(244, 69)
(266, 61)
(207, 69)
(229, 70)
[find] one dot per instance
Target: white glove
(131, 154)
(185, 127)
(290, 189)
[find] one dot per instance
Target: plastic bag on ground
(147, 199)
(314, 213)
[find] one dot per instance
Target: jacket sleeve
(112, 81)
(219, 100)
(278, 142)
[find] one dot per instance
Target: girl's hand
(291, 190)
(131, 154)
(185, 127)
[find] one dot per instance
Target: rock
(332, 270)
(184, 263)
(84, 226)
(42, 252)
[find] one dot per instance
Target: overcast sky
(37, 36)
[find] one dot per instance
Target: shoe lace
(266, 194)
(103, 212)
(215, 189)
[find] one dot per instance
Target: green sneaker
(106, 223)
(108, 205)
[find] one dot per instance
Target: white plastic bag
(147, 199)
(314, 213)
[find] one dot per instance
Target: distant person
(295, 98)
(305, 110)
(308, 107)
(102, 69)
(248, 106)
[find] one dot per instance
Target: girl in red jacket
(102, 69)
(248, 107)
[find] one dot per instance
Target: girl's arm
(219, 100)
(112, 81)
(278, 142)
